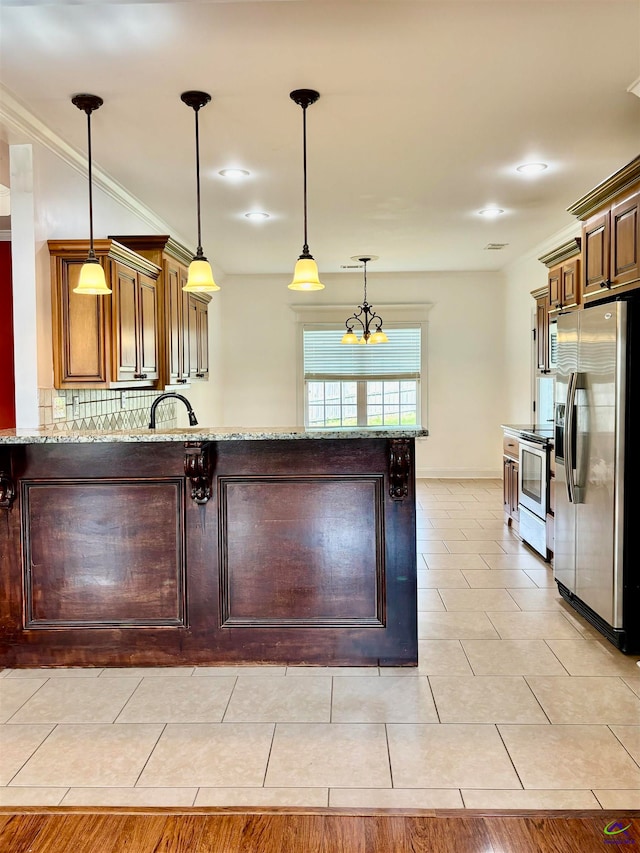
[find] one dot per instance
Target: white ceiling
(426, 108)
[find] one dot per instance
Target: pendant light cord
(199, 252)
(305, 248)
(92, 254)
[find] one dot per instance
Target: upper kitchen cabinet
(611, 233)
(104, 341)
(184, 338)
(198, 324)
(564, 275)
(541, 330)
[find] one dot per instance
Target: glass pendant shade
(378, 337)
(349, 337)
(200, 277)
(92, 280)
(305, 276)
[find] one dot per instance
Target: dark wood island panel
(171, 553)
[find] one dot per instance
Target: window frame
(398, 315)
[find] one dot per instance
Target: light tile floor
(517, 702)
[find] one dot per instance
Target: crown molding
(562, 253)
(607, 190)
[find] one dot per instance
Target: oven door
(533, 478)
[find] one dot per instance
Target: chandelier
(365, 316)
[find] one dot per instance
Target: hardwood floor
(60, 830)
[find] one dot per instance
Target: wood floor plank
(447, 835)
(568, 835)
(20, 831)
(88, 833)
(139, 834)
(180, 834)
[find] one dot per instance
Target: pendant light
(305, 275)
(92, 280)
(200, 276)
(366, 316)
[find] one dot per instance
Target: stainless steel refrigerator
(596, 556)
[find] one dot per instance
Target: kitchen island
(203, 547)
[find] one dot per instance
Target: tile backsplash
(72, 409)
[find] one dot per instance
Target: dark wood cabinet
(611, 233)
(563, 289)
(510, 476)
(109, 341)
(135, 325)
(305, 553)
(198, 337)
(595, 236)
(542, 333)
(184, 342)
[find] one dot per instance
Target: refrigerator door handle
(568, 437)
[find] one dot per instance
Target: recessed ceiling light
(490, 212)
(234, 173)
(256, 215)
(531, 168)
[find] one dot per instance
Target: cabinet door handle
(181, 381)
(200, 375)
(607, 283)
(139, 375)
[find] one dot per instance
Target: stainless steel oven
(532, 480)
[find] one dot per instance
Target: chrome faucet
(192, 415)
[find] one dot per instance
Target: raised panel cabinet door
(625, 240)
(555, 293)
(569, 284)
(79, 349)
(506, 485)
(202, 315)
(148, 326)
(515, 490)
(125, 322)
(595, 253)
(542, 334)
(173, 302)
(192, 336)
(185, 353)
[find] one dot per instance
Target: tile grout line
(151, 751)
(266, 766)
(26, 761)
(231, 692)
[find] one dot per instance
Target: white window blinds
(325, 357)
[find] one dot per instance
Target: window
(366, 386)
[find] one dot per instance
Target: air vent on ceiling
(494, 247)
(350, 266)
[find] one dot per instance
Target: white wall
(466, 399)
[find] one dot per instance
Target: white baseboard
(459, 473)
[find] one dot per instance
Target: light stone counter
(48, 436)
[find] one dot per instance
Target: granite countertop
(48, 436)
(542, 433)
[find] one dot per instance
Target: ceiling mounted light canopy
(92, 280)
(531, 168)
(200, 277)
(365, 316)
(305, 275)
(491, 212)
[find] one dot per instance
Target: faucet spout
(192, 415)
